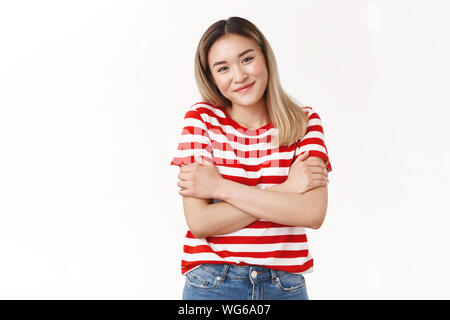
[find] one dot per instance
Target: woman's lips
(245, 89)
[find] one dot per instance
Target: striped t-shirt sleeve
(194, 140)
(313, 140)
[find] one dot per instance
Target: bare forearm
(222, 218)
(281, 207)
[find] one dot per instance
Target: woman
(253, 173)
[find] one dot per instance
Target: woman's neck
(252, 117)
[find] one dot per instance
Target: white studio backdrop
(92, 97)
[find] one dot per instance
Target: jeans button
(254, 274)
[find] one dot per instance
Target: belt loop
(223, 275)
(274, 275)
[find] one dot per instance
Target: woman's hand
(306, 174)
(200, 179)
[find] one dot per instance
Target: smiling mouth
(245, 89)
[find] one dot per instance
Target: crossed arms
(243, 204)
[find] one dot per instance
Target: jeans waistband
(234, 272)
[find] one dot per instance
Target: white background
(92, 97)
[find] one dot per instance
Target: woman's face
(237, 61)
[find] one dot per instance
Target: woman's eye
(244, 60)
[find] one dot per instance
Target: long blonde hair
(286, 114)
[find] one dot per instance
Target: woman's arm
(305, 210)
(219, 218)
(206, 220)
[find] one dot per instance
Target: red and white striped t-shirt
(247, 156)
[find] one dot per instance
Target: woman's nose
(240, 75)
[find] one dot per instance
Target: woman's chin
(246, 101)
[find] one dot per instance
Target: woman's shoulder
(203, 107)
(208, 111)
(309, 111)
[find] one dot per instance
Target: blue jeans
(230, 282)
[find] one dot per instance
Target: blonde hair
(286, 114)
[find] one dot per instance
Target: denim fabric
(230, 282)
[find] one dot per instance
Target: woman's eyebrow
(240, 55)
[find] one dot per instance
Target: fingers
(206, 162)
(302, 157)
(187, 167)
(305, 155)
(203, 161)
(184, 169)
(315, 161)
(319, 169)
(314, 164)
(320, 177)
(199, 159)
(182, 184)
(185, 176)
